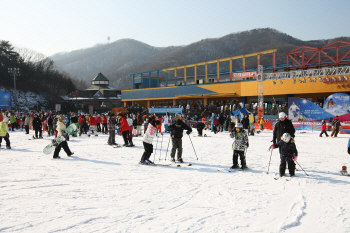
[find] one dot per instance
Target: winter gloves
(188, 132)
(348, 150)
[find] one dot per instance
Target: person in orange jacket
(124, 125)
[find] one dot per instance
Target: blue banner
(165, 110)
(337, 104)
(305, 110)
(5, 98)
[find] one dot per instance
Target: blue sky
(50, 26)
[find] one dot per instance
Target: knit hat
(62, 117)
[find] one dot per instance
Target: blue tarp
(241, 112)
(165, 110)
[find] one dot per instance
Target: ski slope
(104, 189)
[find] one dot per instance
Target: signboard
(5, 98)
(165, 110)
(58, 107)
(243, 75)
(305, 110)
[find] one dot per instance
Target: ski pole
(193, 147)
(301, 168)
(269, 163)
(167, 148)
(155, 152)
(161, 147)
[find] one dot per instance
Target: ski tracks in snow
(295, 214)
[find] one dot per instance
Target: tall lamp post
(14, 72)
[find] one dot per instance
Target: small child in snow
(239, 146)
(147, 141)
(288, 154)
(324, 127)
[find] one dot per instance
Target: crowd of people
(130, 125)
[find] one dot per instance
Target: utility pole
(15, 72)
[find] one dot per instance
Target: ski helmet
(239, 125)
(285, 137)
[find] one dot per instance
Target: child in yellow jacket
(4, 132)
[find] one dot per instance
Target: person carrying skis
(240, 144)
(324, 128)
(61, 132)
(147, 141)
(4, 131)
(176, 133)
(288, 154)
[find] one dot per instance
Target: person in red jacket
(104, 124)
(98, 123)
(82, 125)
(324, 128)
(125, 130)
(92, 122)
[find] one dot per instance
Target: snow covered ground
(104, 189)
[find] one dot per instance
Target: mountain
(121, 58)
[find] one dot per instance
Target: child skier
(4, 132)
(239, 146)
(288, 154)
(323, 128)
(147, 142)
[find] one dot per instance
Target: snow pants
(37, 129)
(65, 147)
(335, 132)
(98, 125)
(291, 165)
(324, 132)
(148, 151)
(6, 140)
(177, 144)
(26, 127)
(239, 153)
(126, 137)
(111, 137)
(200, 131)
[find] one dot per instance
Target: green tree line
(39, 76)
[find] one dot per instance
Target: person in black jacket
(245, 122)
(200, 127)
(288, 154)
(37, 126)
(221, 122)
(284, 125)
(50, 130)
(176, 133)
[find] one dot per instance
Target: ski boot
(179, 160)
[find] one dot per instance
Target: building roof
(100, 77)
(98, 87)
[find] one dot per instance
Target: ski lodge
(310, 73)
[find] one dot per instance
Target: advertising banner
(243, 75)
(5, 98)
(165, 110)
(305, 110)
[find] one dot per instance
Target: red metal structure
(309, 57)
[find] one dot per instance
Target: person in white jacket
(147, 141)
(61, 127)
(166, 121)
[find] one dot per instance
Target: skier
(239, 146)
(104, 124)
(284, 125)
(336, 126)
(125, 130)
(13, 122)
(324, 127)
(245, 122)
(4, 131)
(61, 127)
(293, 108)
(288, 154)
(200, 127)
(147, 142)
(37, 126)
(176, 134)
(166, 121)
(82, 124)
(111, 130)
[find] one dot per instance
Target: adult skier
(176, 133)
(284, 125)
(239, 146)
(111, 130)
(37, 126)
(336, 126)
(151, 132)
(125, 130)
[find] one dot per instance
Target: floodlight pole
(14, 71)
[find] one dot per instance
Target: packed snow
(104, 189)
